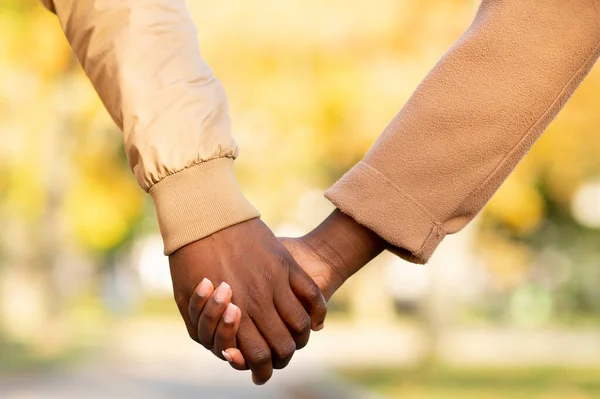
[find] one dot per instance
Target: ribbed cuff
(374, 201)
(199, 201)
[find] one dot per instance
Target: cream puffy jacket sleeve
(143, 59)
(471, 121)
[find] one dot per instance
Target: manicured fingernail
(227, 356)
(204, 288)
(230, 313)
(222, 292)
(320, 327)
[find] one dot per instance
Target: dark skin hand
(330, 254)
(278, 302)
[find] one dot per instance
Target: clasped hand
(253, 299)
(276, 302)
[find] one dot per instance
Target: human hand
(334, 251)
(278, 301)
(330, 254)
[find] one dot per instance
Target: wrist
(344, 245)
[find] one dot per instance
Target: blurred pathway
(102, 383)
(156, 360)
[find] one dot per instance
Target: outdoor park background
(509, 307)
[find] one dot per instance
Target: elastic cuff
(199, 201)
(374, 201)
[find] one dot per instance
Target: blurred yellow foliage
(311, 85)
(508, 261)
(518, 205)
(25, 194)
(58, 156)
(101, 212)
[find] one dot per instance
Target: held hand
(334, 251)
(277, 300)
(330, 254)
(216, 318)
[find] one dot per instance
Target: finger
(225, 336)
(310, 295)
(235, 358)
(256, 351)
(278, 337)
(198, 299)
(295, 317)
(212, 313)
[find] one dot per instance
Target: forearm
(143, 60)
(470, 122)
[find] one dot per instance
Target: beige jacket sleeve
(470, 121)
(142, 57)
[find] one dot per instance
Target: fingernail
(230, 313)
(222, 292)
(320, 327)
(204, 288)
(227, 357)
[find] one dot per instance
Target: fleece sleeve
(470, 122)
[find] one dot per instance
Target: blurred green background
(509, 307)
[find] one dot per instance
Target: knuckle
(197, 297)
(260, 356)
(285, 350)
(314, 294)
(301, 324)
(210, 314)
(224, 334)
(302, 341)
(322, 307)
(205, 342)
(193, 334)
